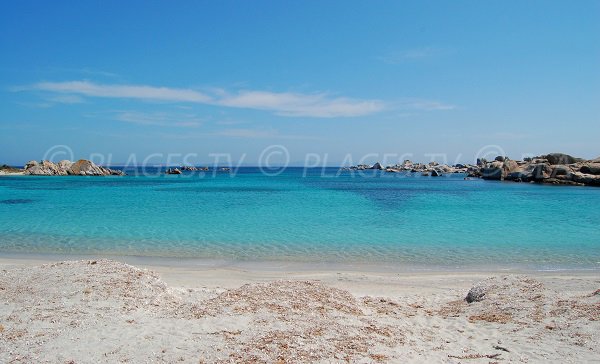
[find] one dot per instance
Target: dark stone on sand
(476, 294)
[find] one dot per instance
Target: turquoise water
(299, 216)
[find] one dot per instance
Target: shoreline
(358, 279)
(286, 266)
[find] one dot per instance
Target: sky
(328, 82)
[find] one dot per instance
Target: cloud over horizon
(318, 105)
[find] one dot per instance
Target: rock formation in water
(82, 167)
(554, 168)
(173, 171)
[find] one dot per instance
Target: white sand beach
(103, 311)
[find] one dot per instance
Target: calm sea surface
(299, 216)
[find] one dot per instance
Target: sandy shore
(91, 311)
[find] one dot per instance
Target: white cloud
(159, 119)
(292, 104)
(87, 88)
(319, 105)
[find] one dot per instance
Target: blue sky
(327, 77)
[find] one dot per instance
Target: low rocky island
(82, 167)
(553, 168)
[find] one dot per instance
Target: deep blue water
(305, 216)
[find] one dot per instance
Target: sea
(321, 216)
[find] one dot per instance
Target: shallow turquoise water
(317, 217)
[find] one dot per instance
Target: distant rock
(473, 171)
(173, 171)
(561, 158)
(561, 170)
(554, 168)
(540, 171)
(586, 179)
(510, 166)
(45, 168)
(493, 171)
(65, 164)
(377, 166)
(82, 167)
(591, 168)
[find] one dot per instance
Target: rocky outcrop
(45, 168)
(591, 168)
(173, 171)
(85, 167)
(555, 168)
(65, 164)
(499, 169)
(82, 167)
(193, 168)
(377, 166)
(493, 171)
(586, 179)
(561, 158)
